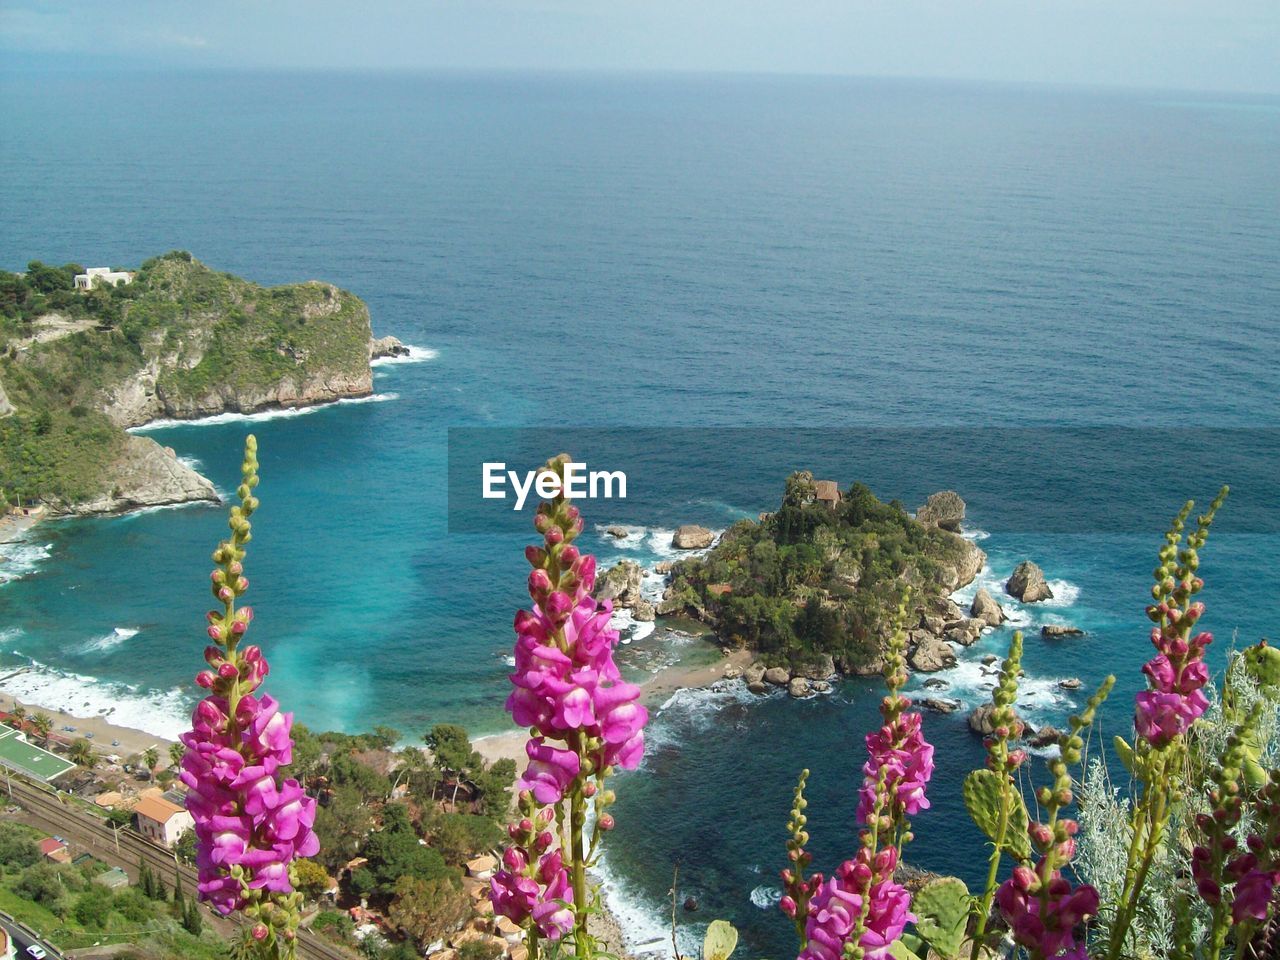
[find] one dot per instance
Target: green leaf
(1125, 753)
(942, 909)
(720, 941)
(982, 791)
(900, 951)
(1263, 664)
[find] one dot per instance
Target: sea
(1029, 294)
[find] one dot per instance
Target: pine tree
(192, 922)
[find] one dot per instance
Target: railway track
(127, 850)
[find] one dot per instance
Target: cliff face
(211, 343)
(146, 474)
(179, 342)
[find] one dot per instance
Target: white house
(101, 275)
(162, 821)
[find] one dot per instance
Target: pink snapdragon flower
(533, 885)
(566, 684)
(244, 815)
(901, 751)
(1176, 675)
(836, 909)
(1041, 907)
(249, 823)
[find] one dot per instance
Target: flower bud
(606, 821)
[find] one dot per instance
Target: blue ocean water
(651, 252)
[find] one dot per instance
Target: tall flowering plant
(250, 824)
(861, 911)
(1165, 711)
(584, 723)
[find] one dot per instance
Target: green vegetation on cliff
(180, 341)
(818, 577)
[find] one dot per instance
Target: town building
(161, 820)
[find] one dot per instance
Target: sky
(1227, 45)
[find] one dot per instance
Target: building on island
(827, 492)
(102, 276)
(161, 820)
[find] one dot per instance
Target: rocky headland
(181, 342)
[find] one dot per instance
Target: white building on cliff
(101, 275)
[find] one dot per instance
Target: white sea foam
(163, 713)
(109, 641)
(631, 629)
(970, 681)
(415, 355)
(21, 557)
(644, 926)
(281, 413)
(659, 544)
(974, 534)
(766, 897)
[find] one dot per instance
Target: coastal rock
(621, 584)
(1028, 584)
(1070, 683)
(798, 687)
(664, 567)
(936, 683)
(1045, 736)
(732, 672)
(932, 654)
(642, 611)
(980, 719)
(821, 686)
(692, 537)
(145, 475)
(985, 608)
(870, 667)
(1053, 630)
(819, 668)
(758, 687)
(965, 632)
(944, 509)
(934, 624)
(754, 673)
(778, 676)
(6, 407)
(989, 659)
(970, 559)
(380, 347)
(618, 533)
(939, 705)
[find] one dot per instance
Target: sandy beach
(14, 526)
(107, 738)
(654, 690)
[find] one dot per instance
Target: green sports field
(28, 759)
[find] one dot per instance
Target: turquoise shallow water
(643, 253)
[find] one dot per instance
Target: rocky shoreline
(941, 625)
(147, 474)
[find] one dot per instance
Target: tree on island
(176, 752)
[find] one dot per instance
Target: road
(127, 850)
(23, 938)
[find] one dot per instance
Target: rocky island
(80, 363)
(812, 588)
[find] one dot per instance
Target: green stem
(989, 891)
(577, 826)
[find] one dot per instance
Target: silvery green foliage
(1104, 825)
